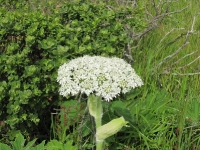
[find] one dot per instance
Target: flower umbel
(102, 76)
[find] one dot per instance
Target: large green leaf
(4, 147)
(54, 145)
(40, 146)
(120, 109)
(18, 144)
(69, 146)
(30, 145)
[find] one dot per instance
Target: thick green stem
(107, 130)
(98, 122)
(95, 109)
(99, 144)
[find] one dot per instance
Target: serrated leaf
(54, 145)
(30, 144)
(120, 109)
(18, 144)
(39, 147)
(69, 146)
(4, 147)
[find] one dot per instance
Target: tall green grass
(174, 75)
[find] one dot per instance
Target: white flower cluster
(102, 76)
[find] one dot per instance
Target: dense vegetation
(160, 39)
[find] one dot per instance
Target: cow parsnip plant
(100, 78)
(36, 37)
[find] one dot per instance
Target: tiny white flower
(102, 76)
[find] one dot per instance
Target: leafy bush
(34, 42)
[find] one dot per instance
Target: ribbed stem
(99, 145)
(95, 109)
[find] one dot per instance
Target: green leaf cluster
(56, 145)
(19, 144)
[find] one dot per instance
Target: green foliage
(34, 42)
(95, 29)
(19, 144)
(154, 123)
(56, 145)
(70, 125)
(68, 116)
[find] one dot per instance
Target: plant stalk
(95, 109)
